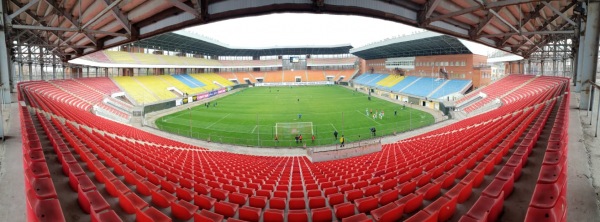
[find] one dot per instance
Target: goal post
(288, 130)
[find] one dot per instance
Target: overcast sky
(290, 29)
(293, 29)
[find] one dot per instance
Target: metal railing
(590, 109)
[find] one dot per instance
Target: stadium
(119, 111)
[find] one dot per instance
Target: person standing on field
(335, 133)
(342, 141)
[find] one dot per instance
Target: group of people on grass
(375, 115)
(298, 138)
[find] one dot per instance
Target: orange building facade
(464, 66)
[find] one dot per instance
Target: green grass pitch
(248, 117)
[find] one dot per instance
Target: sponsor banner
(199, 97)
(295, 83)
(202, 96)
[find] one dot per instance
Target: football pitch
(260, 115)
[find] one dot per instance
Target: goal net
(290, 130)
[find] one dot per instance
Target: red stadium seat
(297, 216)
(131, 202)
(92, 201)
(145, 188)
(460, 191)
(206, 215)
(335, 198)
(248, 213)
(109, 215)
(422, 216)
(486, 208)
(443, 207)
(226, 209)
(387, 196)
(48, 210)
(219, 194)
(411, 202)
(430, 191)
(238, 198)
(116, 188)
(343, 210)
(151, 214)
(277, 203)
(316, 202)
(388, 213)
(258, 202)
(183, 210)
(366, 204)
(357, 218)
(162, 198)
(273, 215)
(184, 194)
(204, 202)
(321, 214)
(353, 195)
(296, 203)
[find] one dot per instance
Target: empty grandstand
(87, 79)
(141, 178)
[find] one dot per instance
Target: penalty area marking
(255, 126)
(333, 126)
(217, 121)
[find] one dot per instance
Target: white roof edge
(420, 35)
(508, 58)
(474, 47)
(216, 42)
(85, 62)
(200, 37)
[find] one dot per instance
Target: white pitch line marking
(217, 121)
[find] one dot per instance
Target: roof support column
(522, 67)
(42, 71)
(590, 56)
(53, 66)
(564, 69)
(574, 63)
(554, 67)
(579, 64)
(30, 70)
(20, 71)
(542, 66)
(4, 63)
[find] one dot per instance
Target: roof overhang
(420, 44)
(184, 41)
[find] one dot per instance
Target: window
(463, 76)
